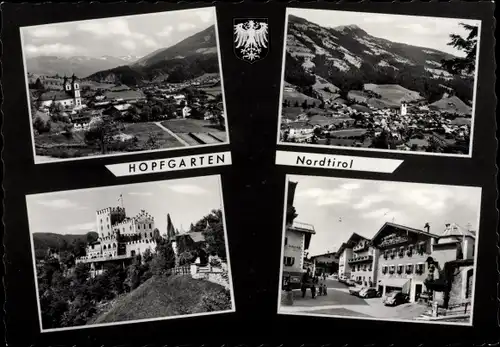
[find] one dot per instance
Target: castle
(68, 97)
(121, 238)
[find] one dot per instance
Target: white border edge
(59, 160)
(474, 97)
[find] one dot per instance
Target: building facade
(326, 263)
(356, 261)
(296, 242)
(120, 238)
(402, 254)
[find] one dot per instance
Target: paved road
(339, 302)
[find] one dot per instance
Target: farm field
(348, 132)
(294, 96)
(143, 131)
(188, 126)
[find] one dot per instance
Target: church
(69, 97)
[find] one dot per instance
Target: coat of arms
(251, 39)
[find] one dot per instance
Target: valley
(344, 87)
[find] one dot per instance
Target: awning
(403, 283)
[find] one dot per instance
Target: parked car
(356, 290)
(369, 293)
(350, 283)
(395, 299)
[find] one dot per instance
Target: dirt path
(172, 133)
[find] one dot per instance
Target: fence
(180, 270)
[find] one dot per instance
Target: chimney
(427, 227)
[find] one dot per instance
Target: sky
(338, 207)
(116, 36)
(430, 32)
(73, 212)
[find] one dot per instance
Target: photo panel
(379, 82)
(130, 253)
(124, 85)
(379, 250)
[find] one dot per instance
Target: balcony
(360, 247)
(360, 259)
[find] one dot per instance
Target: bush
(41, 126)
(218, 301)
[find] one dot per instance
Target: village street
(339, 302)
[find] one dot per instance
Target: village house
(407, 257)
(326, 263)
(356, 260)
(296, 243)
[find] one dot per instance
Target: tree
(212, 229)
(102, 133)
(467, 44)
(146, 113)
(164, 259)
(41, 126)
(39, 85)
(152, 141)
(156, 112)
(381, 141)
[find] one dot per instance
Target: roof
(122, 107)
(54, 95)
(453, 229)
(354, 238)
(401, 227)
(303, 227)
(196, 236)
(323, 254)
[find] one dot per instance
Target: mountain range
(191, 57)
(348, 58)
(81, 66)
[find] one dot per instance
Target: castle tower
(106, 218)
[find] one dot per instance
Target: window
(151, 234)
(139, 226)
(114, 245)
(420, 268)
(400, 269)
(286, 241)
(401, 252)
(386, 254)
(421, 248)
(101, 228)
(409, 268)
(288, 261)
(149, 225)
(391, 269)
(393, 253)
(130, 227)
(409, 251)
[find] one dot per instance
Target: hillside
(203, 42)
(348, 57)
(43, 241)
(81, 66)
(190, 58)
(165, 297)
(452, 105)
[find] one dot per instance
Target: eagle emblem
(251, 42)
